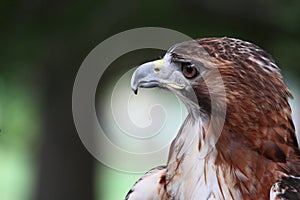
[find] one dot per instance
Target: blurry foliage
(19, 128)
(34, 32)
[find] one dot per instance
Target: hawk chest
(194, 178)
(190, 175)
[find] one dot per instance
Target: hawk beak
(146, 75)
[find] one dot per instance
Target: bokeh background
(43, 44)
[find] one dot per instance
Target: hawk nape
(256, 155)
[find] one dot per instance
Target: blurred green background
(42, 46)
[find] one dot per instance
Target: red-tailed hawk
(256, 154)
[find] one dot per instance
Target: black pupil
(189, 69)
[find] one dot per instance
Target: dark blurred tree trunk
(65, 168)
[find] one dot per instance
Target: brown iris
(189, 71)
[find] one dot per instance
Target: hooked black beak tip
(135, 91)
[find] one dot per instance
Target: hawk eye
(189, 70)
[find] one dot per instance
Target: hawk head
(189, 72)
(218, 75)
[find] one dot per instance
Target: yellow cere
(158, 64)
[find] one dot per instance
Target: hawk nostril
(156, 68)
